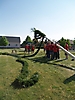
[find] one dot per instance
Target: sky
(55, 18)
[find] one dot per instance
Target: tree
(23, 44)
(28, 39)
(62, 42)
(74, 41)
(3, 41)
(68, 41)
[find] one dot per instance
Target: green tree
(23, 44)
(62, 42)
(28, 39)
(68, 41)
(3, 41)
(74, 41)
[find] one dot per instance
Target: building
(72, 45)
(14, 42)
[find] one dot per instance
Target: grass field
(56, 78)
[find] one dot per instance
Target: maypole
(39, 35)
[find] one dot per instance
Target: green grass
(56, 78)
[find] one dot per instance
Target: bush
(34, 78)
(22, 79)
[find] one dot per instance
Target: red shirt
(55, 48)
(26, 46)
(52, 46)
(66, 47)
(47, 46)
(33, 47)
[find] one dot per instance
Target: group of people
(29, 48)
(52, 50)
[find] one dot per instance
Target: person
(55, 51)
(32, 48)
(52, 51)
(44, 47)
(28, 48)
(48, 50)
(67, 48)
(25, 48)
(58, 54)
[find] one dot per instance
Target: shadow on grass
(64, 66)
(44, 59)
(16, 85)
(71, 78)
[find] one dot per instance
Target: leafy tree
(74, 41)
(28, 39)
(3, 41)
(68, 42)
(62, 42)
(23, 44)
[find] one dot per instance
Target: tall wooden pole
(70, 54)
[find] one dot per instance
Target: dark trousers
(58, 55)
(52, 55)
(55, 55)
(48, 53)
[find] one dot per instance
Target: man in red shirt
(26, 47)
(58, 55)
(44, 47)
(67, 48)
(32, 48)
(55, 51)
(48, 49)
(52, 51)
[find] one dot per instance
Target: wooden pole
(70, 54)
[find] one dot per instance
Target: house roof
(12, 39)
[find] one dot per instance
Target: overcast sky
(56, 18)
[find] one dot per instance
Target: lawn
(56, 78)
